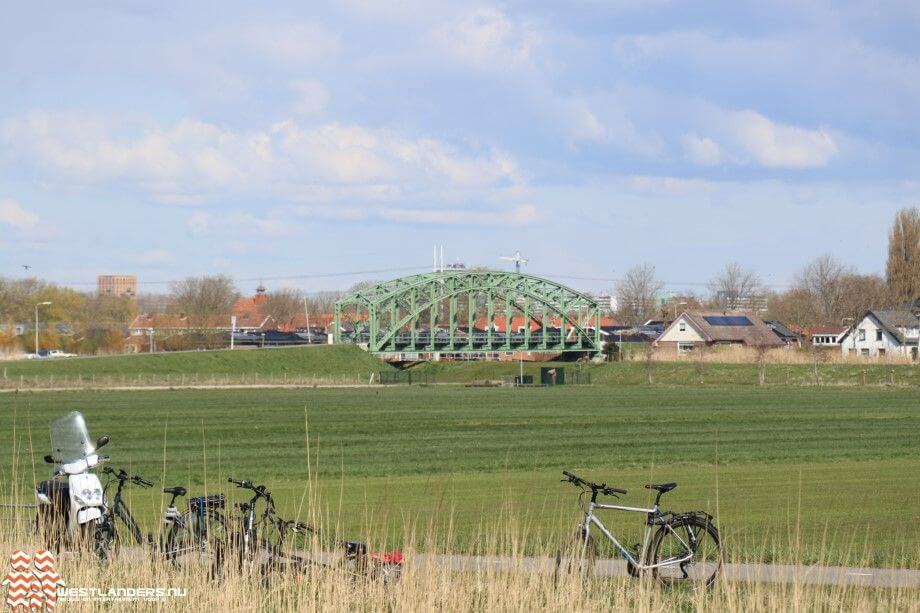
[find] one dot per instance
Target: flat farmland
(793, 474)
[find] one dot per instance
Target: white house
(884, 332)
(827, 336)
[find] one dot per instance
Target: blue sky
(269, 140)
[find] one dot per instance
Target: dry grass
(516, 586)
(737, 354)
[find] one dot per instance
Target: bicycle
(685, 548)
(257, 555)
(193, 539)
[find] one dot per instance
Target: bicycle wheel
(104, 539)
(575, 559)
(198, 542)
(687, 551)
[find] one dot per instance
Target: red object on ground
(388, 557)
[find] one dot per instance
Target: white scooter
(70, 504)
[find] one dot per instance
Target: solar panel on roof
(727, 320)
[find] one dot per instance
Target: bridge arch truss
(462, 311)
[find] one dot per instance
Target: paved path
(756, 573)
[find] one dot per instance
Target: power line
(284, 278)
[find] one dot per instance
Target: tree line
(824, 292)
(91, 323)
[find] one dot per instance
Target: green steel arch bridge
(467, 311)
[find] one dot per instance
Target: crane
(517, 259)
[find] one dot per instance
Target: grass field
(330, 364)
(814, 474)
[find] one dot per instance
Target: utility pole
(36, 323)
(307, 313)
(150, 338)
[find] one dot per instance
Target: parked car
(53, 353)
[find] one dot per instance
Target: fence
(405, 377)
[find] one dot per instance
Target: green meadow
(806, 474)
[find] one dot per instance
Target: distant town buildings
(116, 285)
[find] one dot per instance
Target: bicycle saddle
(178, 490)
(661, 487)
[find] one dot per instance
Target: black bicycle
(677, 548)
(261, 544)
(195, 539)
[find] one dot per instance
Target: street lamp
(36, 323)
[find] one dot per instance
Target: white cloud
(14, 215)
(702, 149)
(609, 119)
(774, 144)
(486, 38)
(192, 161)
(312, 97)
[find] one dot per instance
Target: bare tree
(864, 292)
(323, 302)
(823, 279)
(204, 299)
(283, 306)
(795, 306)
(903, 268)
(733, 286)
(636, 293)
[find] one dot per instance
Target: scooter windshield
(70, 439)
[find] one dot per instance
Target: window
(684, 347)
(878, 335)
(862, 334)
(881, 352)
(682, 326)
(864, 352)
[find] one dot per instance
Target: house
(879, 333)
(694, 329)
(827, 336)
(790, 337)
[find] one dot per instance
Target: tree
(863, 292)
(323, 302)
(283, 306)
(636, 293)
(823, 279)
(903, 268)
(204, 299)
(733, 286)
(794, 306)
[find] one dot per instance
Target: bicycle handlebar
(602, 488)
(122, 476)
(248, 485)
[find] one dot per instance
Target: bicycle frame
(653, 518)
(120, 510)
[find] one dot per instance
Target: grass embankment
(326, 364)
(323, 363)
(794, 473)
(685, 373)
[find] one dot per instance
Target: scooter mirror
(49, 459)
(102, 442)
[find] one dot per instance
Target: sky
(293, 142)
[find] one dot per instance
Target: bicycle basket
(214, 501)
